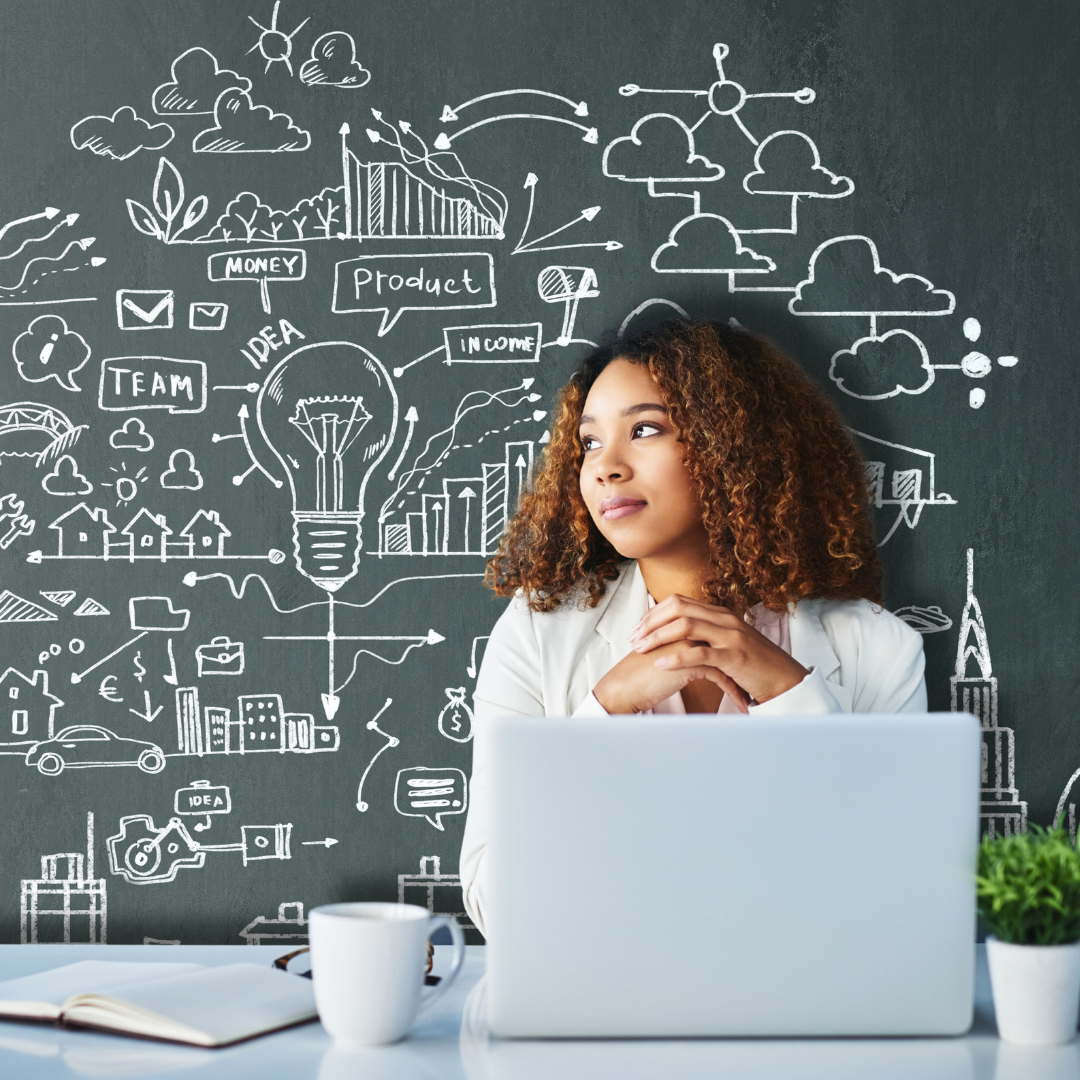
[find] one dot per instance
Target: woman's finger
(714, 675)
(676, 607)
(685, 627)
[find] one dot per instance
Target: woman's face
(633, 477)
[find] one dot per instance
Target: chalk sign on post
(261, 265)
(397, 283)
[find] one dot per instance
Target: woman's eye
(643, 430)
(588, 442)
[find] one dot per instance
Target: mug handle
(430, 994)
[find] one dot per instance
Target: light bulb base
(327, 546)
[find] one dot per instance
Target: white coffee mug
(368, 962)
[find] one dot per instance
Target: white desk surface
(439, 1048)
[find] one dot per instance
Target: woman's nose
(610, 466)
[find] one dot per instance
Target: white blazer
(861, 659)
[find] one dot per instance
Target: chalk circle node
(151, 761)
(76, 646)
(977, 397)
(726, 97)
(276, 556)
(976, 365)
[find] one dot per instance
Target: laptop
(732, 875)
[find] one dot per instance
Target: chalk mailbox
(261, 265)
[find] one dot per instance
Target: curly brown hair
(781, 484)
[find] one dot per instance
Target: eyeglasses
(282, 964)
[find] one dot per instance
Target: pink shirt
(770, 624)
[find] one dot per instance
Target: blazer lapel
(629, 601)
(810, 645)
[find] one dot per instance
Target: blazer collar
(810, 645)
(629, 600)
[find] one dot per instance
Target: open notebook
(188, 1003)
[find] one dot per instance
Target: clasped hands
(680, 641)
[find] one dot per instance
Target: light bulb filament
(331, 431)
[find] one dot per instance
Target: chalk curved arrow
(450, 114)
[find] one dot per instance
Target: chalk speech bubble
(430, 793)
(135, 383)
(47, 349)
(398, 283)
(261, 265)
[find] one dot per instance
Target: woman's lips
(621, 508)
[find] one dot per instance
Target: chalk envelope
(437, 282)
(156, 613)
(430, 793)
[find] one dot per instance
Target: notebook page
(40, 996)
(223, 1004)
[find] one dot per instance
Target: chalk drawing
(289, 927)
(905, 468)
(430, 793)
(67, 904)
(119, 136)
(976, 691)
(456, 718)
(29, 715)
(537, 244)
(391, 741)
(274, 44)
(242, 127)
(333, 63)
(165, 222)
(195, 82)
(90, 746)
(65, 479)
(14, 521)
(132, 435)
(47, 349)
(440, 893)
(220, 656)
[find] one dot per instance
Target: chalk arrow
(531, 180)
(410, 417)
(330, 703)
(328, 842)
(449, 115)
(86, 241)
(373, 135)
(433, 638)
(34, 557)
(526, 383)
(98, 260)
(344, 129)
(150, 714)
(49, 212)
(591, 134)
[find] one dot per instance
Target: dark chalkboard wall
(266, 267)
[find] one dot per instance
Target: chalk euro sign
(394, 284)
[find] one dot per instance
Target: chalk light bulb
(328, 412)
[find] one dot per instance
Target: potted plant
(1028, 889)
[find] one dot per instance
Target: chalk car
(86, 746)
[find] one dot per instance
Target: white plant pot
(1036, 991)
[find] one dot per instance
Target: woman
(698, 539)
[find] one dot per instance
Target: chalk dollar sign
(140, 671)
